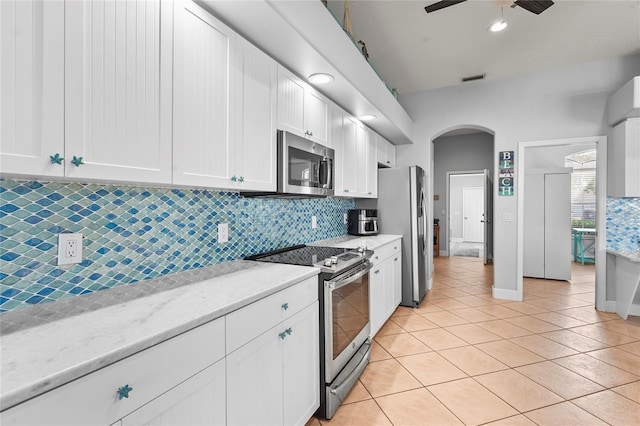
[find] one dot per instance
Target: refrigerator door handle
(424, 223)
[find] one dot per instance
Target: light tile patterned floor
(465, 358)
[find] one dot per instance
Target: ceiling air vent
(472, 78)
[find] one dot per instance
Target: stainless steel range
(343, 292)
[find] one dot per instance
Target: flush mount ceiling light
(320, 78)
(367, 117)
(499, 25)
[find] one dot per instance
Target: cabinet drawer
(249, 322)
(93, 399)
(386, 251)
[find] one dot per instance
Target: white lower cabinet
(274, 379)
(200, 400)
(385, 284)
(163, 381)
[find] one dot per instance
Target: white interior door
(473, 210)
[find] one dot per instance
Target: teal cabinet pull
(77, 161)
(310, 133)
(376, 257)
(395, 260)
(234, 178)
(346, 190)
(123, 392)
(56, 159)
(376, 271)
(289, 331)
(283, 335)
(241, 179)
(285, 306)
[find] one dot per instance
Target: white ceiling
(414, 51)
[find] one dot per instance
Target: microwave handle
(326, 179)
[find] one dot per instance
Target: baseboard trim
(610, 306)
(501, 293)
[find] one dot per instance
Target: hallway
(465, 358)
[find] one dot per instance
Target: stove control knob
(334, 260)
(327, 262)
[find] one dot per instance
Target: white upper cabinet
(203, 148)
(301, 109)
(349, 158)
(372, 166)
(255, 118)
(386, 152)
(357, 159)
(118, 67)
(32, 87)
(336, 129)
(624, 151)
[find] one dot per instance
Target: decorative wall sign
(506, 175)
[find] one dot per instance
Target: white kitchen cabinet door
(371, 165)
(349, 158)
(255, 118)
(624, 149)
(301, 366)
(203, 141)
(32, 87)
(391, 155)
(254, 381)
(118, 73)
(200, 400)
(301, 109)
(362, 159)
(337, 143)
(397, 278)
(291, 103)
(316, 115)
(377, 297)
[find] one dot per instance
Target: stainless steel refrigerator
(402, 209)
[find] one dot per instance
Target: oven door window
(350, 312)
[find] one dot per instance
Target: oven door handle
(346, 279)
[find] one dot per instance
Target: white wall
(561, 103)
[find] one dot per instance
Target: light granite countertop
(631, 256)
(354, 241)
(56, 347)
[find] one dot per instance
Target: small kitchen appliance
(363, 222)
(343, 294)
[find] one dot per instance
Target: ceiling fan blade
(534, 6)
(441, 5)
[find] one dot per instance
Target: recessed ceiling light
(498, 26)
(367, 117)
(320, 78)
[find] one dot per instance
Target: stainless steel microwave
(305, 169)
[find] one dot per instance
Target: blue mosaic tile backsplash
(133, 233)
(623, 224)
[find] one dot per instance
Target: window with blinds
(583, 188)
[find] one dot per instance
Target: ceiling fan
(533, 6)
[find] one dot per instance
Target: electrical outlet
(223, 232)
(314, 222)
(69, 249)
(345, 218)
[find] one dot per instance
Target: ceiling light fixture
(367, 117)
(499, 25)
(320, 78)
